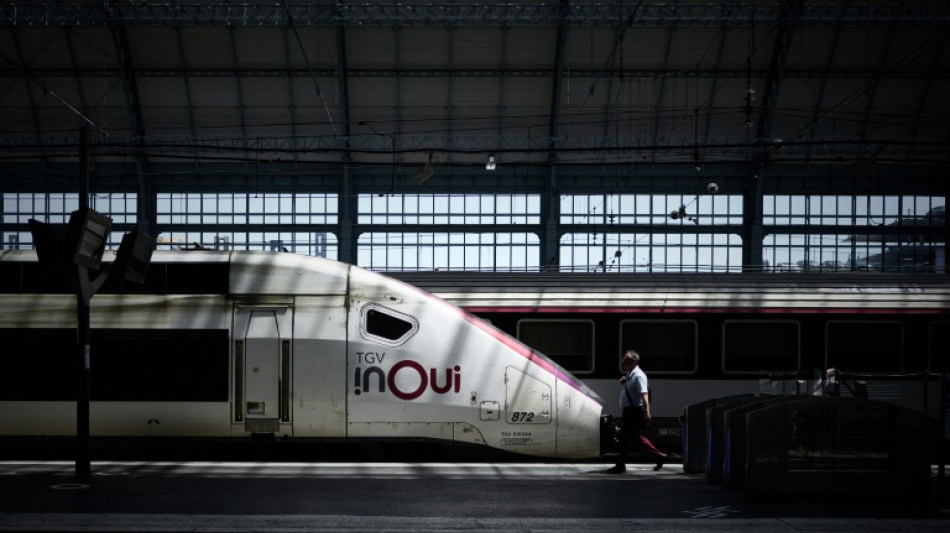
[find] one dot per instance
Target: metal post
(944, 433)
(83, 297)
(83, 466)
(83, 167)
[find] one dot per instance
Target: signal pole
(83, 298)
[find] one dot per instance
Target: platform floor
(427, 497)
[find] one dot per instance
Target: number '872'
(522, 417)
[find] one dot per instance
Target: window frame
(364, 312)
(593, 340)
(654, 371)
(900, 324)
(798, 351)
(936, 325)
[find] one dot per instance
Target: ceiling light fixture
(423, 174)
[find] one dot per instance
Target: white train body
(315, 349)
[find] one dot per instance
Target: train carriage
(704, 336)
(236, 344)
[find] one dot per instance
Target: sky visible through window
(600, 232)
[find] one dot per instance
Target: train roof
(552, 291)
(202, 272)
(238, 272)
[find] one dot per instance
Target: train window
(175, 278)
(36, 278)
(387, 326)
(128, 365)
(10, 277)
(866, 346)
(667, 346)
(39, 364)
(570, 343)
(760, 346)
(168, 365)
(940, 346)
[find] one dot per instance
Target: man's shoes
(660, 459)
(618, 469)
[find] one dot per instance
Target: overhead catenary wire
(313, 74)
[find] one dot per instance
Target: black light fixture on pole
(76, 252)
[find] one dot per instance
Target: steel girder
(619, 148)
(630, 74)
(714, 14)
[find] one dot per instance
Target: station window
(760, 346)
(666, 346)
(453, 209)
(492, 252)
(858, 210)
(808, 253)
(247, 208)
(940, 346)
(570, 343)
(646, 252)
(316, 244)
(866, 346)
(55, 208)
(649, 209)
(890, 233)
(387, 326)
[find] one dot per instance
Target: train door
(529, 413)
(262, 373)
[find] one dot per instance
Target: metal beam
(710, 103)
(773, 82)
(186, 78)
(450, 106)
(661, 91)
(237, 82)
(311, 177)
(24, 71)
(573, 73)
(550, 208)
(120, 39)
(501, 111)
(292, 100)
(832, 52)
(753, 230)
(557, 77)
(67, 32)
(146, 208)
(348, 201)
(220, 13)
(328, 147)
(873, 87)
(615, 56)
(925, 96)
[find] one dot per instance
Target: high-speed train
(237, 344)
(704, 336)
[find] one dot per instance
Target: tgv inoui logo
(401, 373)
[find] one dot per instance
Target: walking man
(635, 403)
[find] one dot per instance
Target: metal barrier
(716, 434)
(834, 445)
(735, 445)
(695, 431)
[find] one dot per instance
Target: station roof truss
(380, 87)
